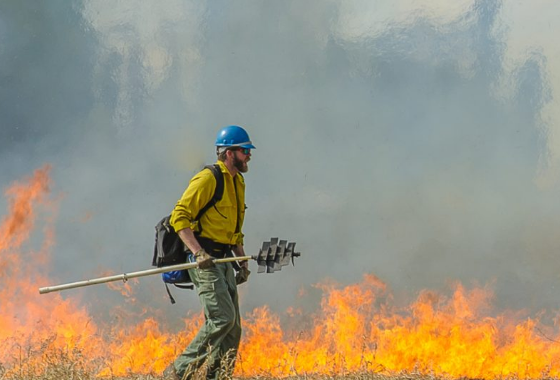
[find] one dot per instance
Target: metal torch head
(275, 254)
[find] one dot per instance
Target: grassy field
(70, 364)
(75, 372)
(60, 366)
(66, 370)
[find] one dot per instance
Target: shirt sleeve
(196, 196)
(240, 239)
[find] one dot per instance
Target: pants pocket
(214, 297)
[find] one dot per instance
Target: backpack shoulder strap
(218, 192)
(217, 171)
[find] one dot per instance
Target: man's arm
(196, 196)
(203, 259)
(187, 236)
(238, 250)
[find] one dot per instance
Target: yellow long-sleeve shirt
(222, 223)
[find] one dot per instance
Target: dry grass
(33, 364)
(71, 365)
(74, 371)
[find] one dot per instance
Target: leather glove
(242, 275)
(204, 260)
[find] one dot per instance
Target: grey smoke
(410, 148)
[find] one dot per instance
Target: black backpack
(169, 249)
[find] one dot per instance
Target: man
(215, 235)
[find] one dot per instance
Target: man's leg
(220, 317)
(227, 353)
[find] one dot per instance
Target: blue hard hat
(234, 136)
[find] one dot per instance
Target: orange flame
(27, 320)
(356, 328)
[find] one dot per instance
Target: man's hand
(242, 275)
(204, 260)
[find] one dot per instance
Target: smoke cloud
(413, 140)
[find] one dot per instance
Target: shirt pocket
(226, 210)
(225, 204)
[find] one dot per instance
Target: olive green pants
(220, 335)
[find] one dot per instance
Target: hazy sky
(416, 140)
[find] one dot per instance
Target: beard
(240, 164)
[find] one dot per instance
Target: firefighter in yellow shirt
(215, 235)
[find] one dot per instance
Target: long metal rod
(142, 273)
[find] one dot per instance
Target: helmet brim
(247, 145)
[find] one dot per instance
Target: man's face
(241, 156)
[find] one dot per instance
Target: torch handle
(142, 273)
